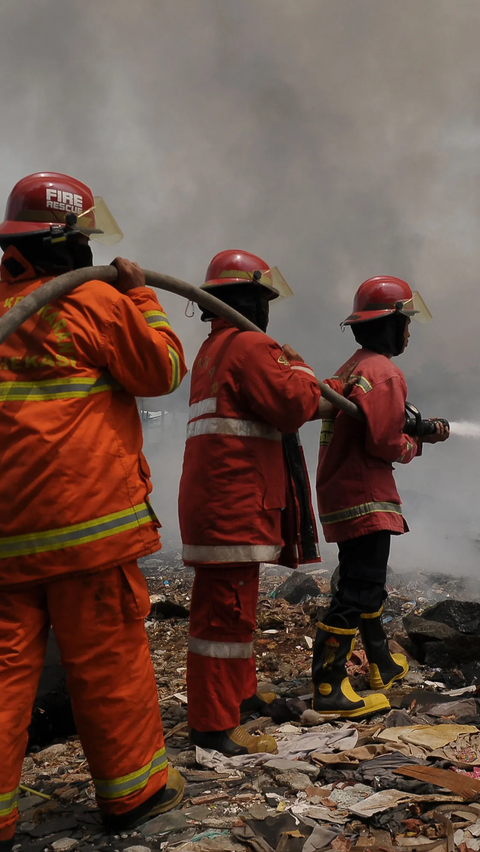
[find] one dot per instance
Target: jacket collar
(14, 267)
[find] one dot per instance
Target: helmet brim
(365, 316)
(18, 228)
(217, 283)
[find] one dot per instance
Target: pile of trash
(408, 780)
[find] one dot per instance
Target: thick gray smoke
(338, 139)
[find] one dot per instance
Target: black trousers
(363, 573)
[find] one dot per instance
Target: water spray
(465, 429)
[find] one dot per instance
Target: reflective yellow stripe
(364, 384)
(117, 788)
(103, 527)
(156, 319)
(327, 432)
(359, 511)
(68, 388)
(175, 364)
(341, 631)
(372, 614)
(8, 802)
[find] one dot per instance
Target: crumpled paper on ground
(352, 757)
(316, 740)
(358, 664)
(424, 740)
(320, 838)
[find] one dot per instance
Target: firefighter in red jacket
(358, 502)
(74, 503)
(245, 391)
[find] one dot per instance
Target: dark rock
(52, 715)
(463, 616)
(168, 609)
(284, 710)
(297, 587)
(452, 651)
(54, 826)
(420, 630)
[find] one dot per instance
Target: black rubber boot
(255, 703)
(162, 801)
(385, 668)
(234, 741)
(333, 694)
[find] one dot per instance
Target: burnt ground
(267, 807)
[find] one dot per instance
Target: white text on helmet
(58, 199)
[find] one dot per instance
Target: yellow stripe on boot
(376, 681)
(370, 703)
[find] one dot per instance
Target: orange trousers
(98, 620)
(221, 669)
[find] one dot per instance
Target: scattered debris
(335, 784)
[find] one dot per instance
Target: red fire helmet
(383, 295)
(44, 199)
(242, 267)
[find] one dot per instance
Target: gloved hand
(442, 432)
(130, 275)
(291, 355)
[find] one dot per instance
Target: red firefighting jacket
(74, 482)
(356, 489)
(244, 394)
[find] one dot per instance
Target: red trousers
(220, 661)
(99, 627)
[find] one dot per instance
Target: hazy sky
(338, 139)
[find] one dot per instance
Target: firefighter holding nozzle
(358, 502)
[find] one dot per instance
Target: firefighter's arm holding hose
(337, 383)
(136, 342)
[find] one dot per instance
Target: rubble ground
(403, 781)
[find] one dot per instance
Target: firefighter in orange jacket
(358, 502)
(74, 503)
(245, 392)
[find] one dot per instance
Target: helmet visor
(416, 309)
(274, 280)
(98, 224)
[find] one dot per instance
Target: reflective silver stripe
(231, 553)
(327, 432)
(409, 447)
(220, 650)
(304, 369)
(8, 802)
(117, 788)
(68, 388)
(103, 527)
(364, 384)
(156, 319)
(205, 406)
(175, 365)
(359, 511)
(231, 426)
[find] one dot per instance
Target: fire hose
(57, 287)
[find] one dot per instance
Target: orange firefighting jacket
(356, 489)
(244, 394)
(74, 482)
